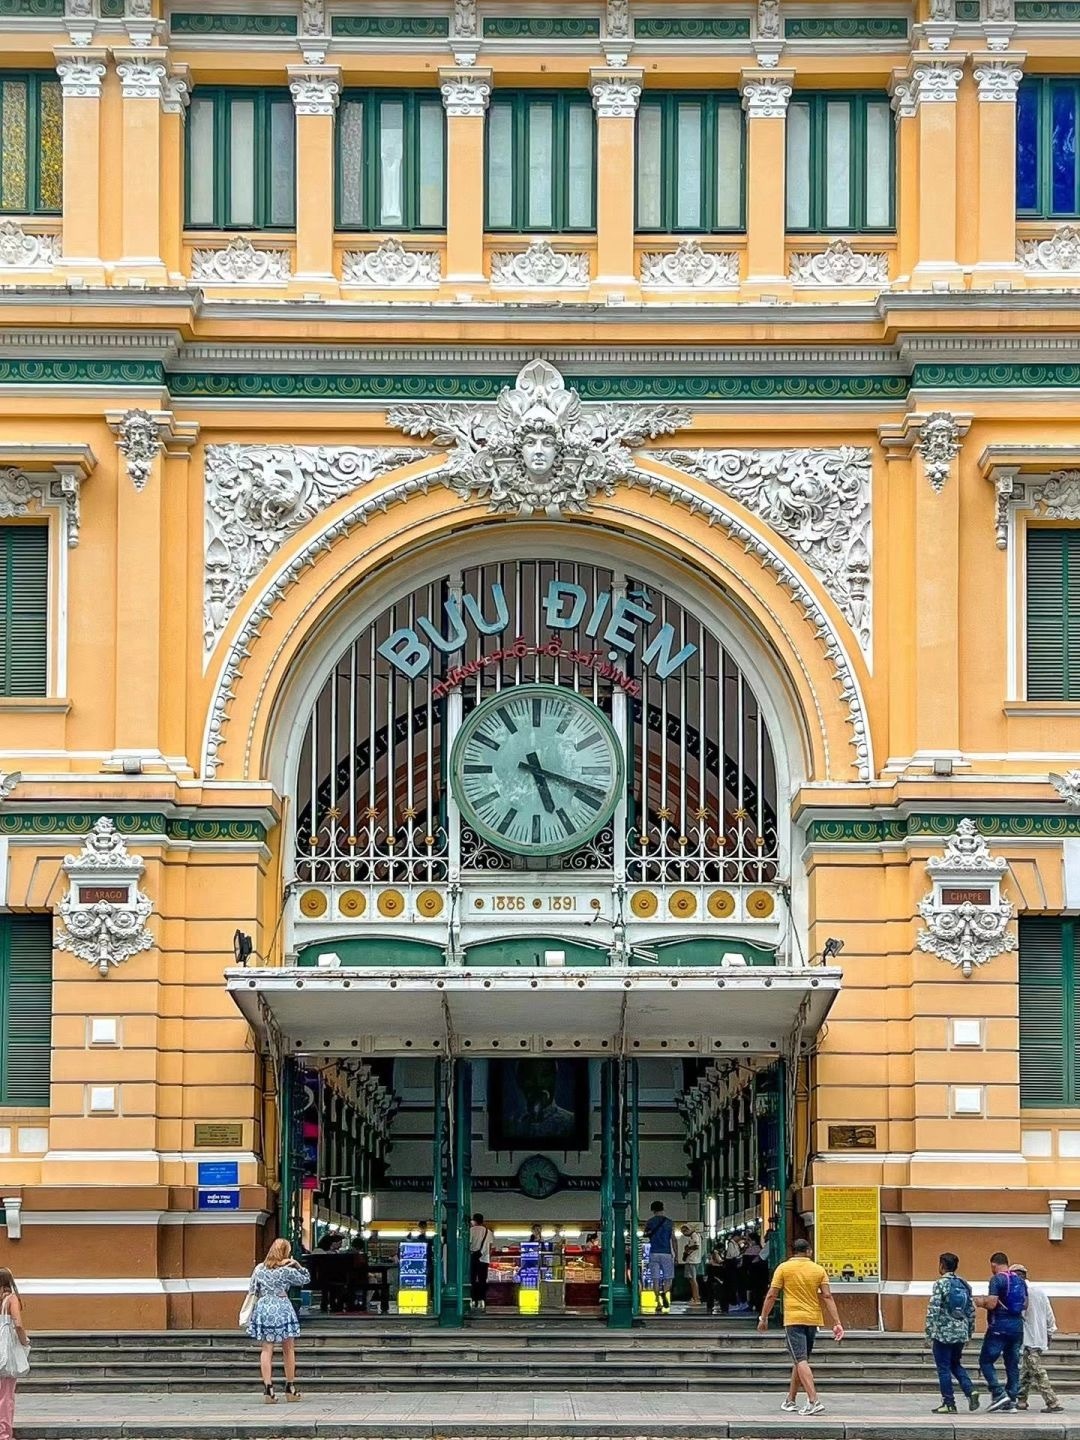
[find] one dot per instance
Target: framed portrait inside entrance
(538, 1102)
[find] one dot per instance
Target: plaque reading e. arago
(221, 1135)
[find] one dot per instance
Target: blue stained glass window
(1046, 162)
(1063, 149)
(1027, 149)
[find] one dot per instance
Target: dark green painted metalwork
(615, 1130)
(508, 27)
(633, 1101)
(669, 104)
(438, 1173)
(376, 951)
(855, 27)
(455, 1300)
(26, 953)
(192, 23)
(390, 27)
(651, 27)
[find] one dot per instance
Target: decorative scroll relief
(839, 264)
(540, 268)
(391, 266)
(23, 494)
(22, 250)
(9, 779)
(689, 267)
(239, 263)
(259, 495)
(816, 500)
(1068, 787)
(1059, 254)
(538, 449)
(966, 918)
(102, 918)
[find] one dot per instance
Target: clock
(538, 1177)
(536, 770)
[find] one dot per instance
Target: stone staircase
(493, 1355)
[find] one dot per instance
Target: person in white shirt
(1039, 1326)
(691, 1257)
(480, 1238)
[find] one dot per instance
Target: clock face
(538, 1177)
(537, 770)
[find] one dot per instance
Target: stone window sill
(1037, 708)
(33, 705)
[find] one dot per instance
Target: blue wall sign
(219, 1200)
(219, 1172)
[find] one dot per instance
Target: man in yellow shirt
(805, 1288)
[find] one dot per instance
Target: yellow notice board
(847, 1232)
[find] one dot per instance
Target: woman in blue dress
(273, 1320)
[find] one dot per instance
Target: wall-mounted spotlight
(832, 948)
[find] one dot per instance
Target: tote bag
(14, 1356)
(246, 1308)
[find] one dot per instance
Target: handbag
(246, 1308)
(14, 1355)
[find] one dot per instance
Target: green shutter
(24, 609)
(1049, 1048)
(1053, 615)
(26, 973)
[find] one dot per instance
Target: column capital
(902, 95)
(998, 78)
(465, 92)
(765, 93)
(81, 73)
(142, 73)
(315, 88)
(934, 79)
(615, 92)
(176, 90)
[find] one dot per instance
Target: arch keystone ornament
(538, 450)
(966, 919)
(102, 918)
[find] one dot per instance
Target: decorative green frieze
(81, 372)
(511, 27)
(190, 385)
(838, 27)
(652, 28)
(740, 387)
(916, 827)
(391, 27)
(36, 8)
(967, 10)
(112, 9)
(1034, 11)
(81, 822)
(189, 23)
(992, 377)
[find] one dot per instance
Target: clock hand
(563, 779)
(533, 766)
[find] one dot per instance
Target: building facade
(522, 527)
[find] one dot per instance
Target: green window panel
(840, 162)
(391, 161)
(690, 163)
(541, 162)
(31, 143)
(1053, 615)
(24, 609)
(1047, 167)
(241, 160)
(25, 1008)
(1049, 1045)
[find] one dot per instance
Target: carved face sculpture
(539, 452)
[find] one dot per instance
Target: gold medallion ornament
(313, 904)
(721, 904)
(682, 904)
(352, 904)
(429, 903)
(643, 904)
(760, 904)
(391, 903)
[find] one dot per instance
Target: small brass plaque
(965, 894)
(852, 1137)
(114, 894)
(219, 1136)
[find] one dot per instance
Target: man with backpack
(950, 1324)
(1005, 1302)
(660, 1233)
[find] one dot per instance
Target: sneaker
(944, 1409)
(1053, 1409)
(973, 1401)
(815, 1409)
(1002, 1402)
(789, 1405)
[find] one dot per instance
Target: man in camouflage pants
(1039, 1326)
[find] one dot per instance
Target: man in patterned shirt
(950, 1324)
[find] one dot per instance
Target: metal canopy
(547, 1011)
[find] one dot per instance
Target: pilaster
(81, 73)
(315, 90)
(175, 97)
(143, 74)
(765, 96)
(934, 82)
(465, 93)
(998, 79)
(907, 175)
(615, 93)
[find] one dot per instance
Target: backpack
(1014, 1302)
(957, 1299)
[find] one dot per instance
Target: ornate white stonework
(1058, 497)
(617, 26)
(935, 82)
(768, 20)
(138, 439)
(839, 264)
(1060, 254)
(80, 76)
(941, 10)
(103, 932)
(315, 94)
(391, 266)
(999, 80)
(80, 17)
(540, 267)
(538, 449)
(1001, 11)
(466, 94)
(1068, 787)
(259, 495)
(964, 931)
(465, 18)
(766, 99)
(22, 250)
(939, 445)
(8, 781)
(239, 263)
(902, 98)
(175, 94)
(141, 78)
(313, 17)
(614, 98)
(816, 500)
(689, 267)
(23, 494)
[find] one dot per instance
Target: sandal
(268, 1393)
(291, 1392)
